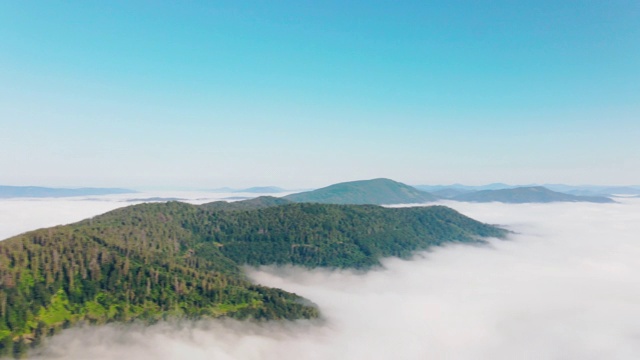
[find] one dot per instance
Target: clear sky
(307, 93)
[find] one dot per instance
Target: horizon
(232, 188)
(286, 190)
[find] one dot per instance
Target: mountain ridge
(529, 194)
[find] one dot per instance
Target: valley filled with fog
(564, 285)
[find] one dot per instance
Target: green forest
(151, 262)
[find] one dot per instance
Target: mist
(565, 285)
(18, 215)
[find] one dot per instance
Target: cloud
(20, 215)
(566, 286)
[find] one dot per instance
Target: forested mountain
(153, 261)
(376, 191)
(532, 194)
(262, 190)
(255, 189)
(36, 191)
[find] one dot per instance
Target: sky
(204, 94)
(564, 285)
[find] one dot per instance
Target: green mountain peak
(379, 191)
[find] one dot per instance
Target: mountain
(36, 191)
(376, 191)
(262, 190)
(155, 199)
(533, 194)
(449, 193)
(595, 190)
(159, 260)
(255, 190)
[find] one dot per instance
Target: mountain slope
(466, 188)
(533, 194)
(450, 193)
(153, 261)
(376, 191)
(250, 204)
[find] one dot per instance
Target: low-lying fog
(18, 215)
(567, 286)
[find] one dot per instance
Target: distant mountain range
(39, 192)
(592, 190)
(532, 194)
(388, 192)
(463, 188)
(156, 199)
(253, 190)
(450, 191)
(262, 190)
(376, 191)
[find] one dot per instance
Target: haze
(564, 287)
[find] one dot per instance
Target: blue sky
(304, 94)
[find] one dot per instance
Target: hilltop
(376, 191)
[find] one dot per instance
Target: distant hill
(156, 199)
(376, 191)
(449, 193)
(532, 194)
(594, 190)
(250, 204)
(37, 192)
(255, 190)
(160, 260)
(262, 190)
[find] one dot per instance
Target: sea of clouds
(565, 286)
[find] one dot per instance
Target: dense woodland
(154, 261)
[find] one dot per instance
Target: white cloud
(565, 287)
(20, 215)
